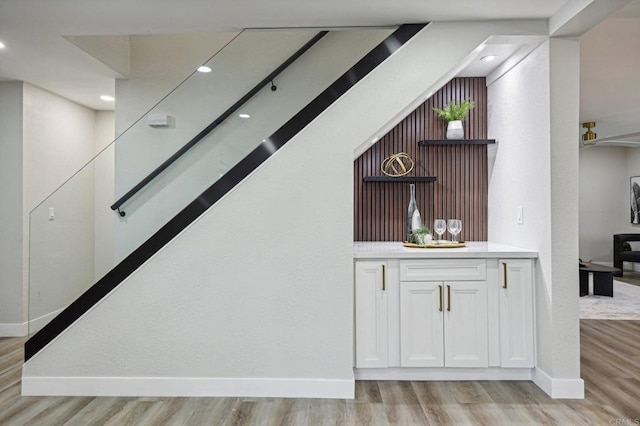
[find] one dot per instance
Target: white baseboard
(194, 387)
(22, 329)
(13, 330)
(559, 388)
(37, 323)
(439, 374)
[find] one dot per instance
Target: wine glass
(439, 226)
(454, 226)
(459, 226)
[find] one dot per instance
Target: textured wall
(564, 89)
(157, 63)
(532, 112)
(604, 200)
(46, 139)
(104, 192)
(461, 189)
(58, 141)
(520, 175)
(11, 307)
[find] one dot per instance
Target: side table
(602, 279)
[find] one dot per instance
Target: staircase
(164, 184)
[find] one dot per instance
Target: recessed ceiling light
(107, 98)
(244, 115)
(2, 46)
(204, 69)
(374, 140)
(489, 58)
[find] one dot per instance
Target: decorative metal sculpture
(397, 165)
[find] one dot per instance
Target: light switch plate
(520, 216)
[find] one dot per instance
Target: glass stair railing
(264, 87)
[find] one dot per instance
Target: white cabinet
(443, 324)
(465, 325)
(371, 330)
(516, 313)
(421, 324)
(443, 270)
(454, 313)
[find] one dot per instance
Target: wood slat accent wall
(460, 192)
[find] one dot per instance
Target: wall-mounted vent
(158, 120)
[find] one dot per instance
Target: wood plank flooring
(630, 277)
(610, 355)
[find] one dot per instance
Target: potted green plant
(421, 236)
(454, 113)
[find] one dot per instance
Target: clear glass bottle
(414, 221)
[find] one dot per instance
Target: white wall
(104, 187)
(12, 314)
(633, 169)
(45, 140)
(520, 174)
(532, 114)
(157, 64)
(58, 140)
(604, 200)
(261, 286)
(565, 105)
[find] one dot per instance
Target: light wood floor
(610, 367)
(630, 277)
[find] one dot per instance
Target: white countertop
(474, 249)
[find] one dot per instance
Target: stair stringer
(255, 298)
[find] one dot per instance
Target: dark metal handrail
(268, 79)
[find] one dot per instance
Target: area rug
(624, 305)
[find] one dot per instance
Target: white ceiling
(37, 52)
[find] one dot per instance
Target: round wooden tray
(444, 244)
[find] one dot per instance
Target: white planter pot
(455, 130)
(424, 238)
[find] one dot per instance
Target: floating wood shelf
(456, 142)
(402, 179)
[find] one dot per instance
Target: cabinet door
(371, 315)
(421, 332)
(465, 324)
(516, 313)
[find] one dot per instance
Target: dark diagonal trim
(216, 191)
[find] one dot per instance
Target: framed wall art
(635, 199)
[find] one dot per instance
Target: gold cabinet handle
(504, 274)
(440, 287)
(384, 284)
(448, 297)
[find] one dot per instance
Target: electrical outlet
(520, 215)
